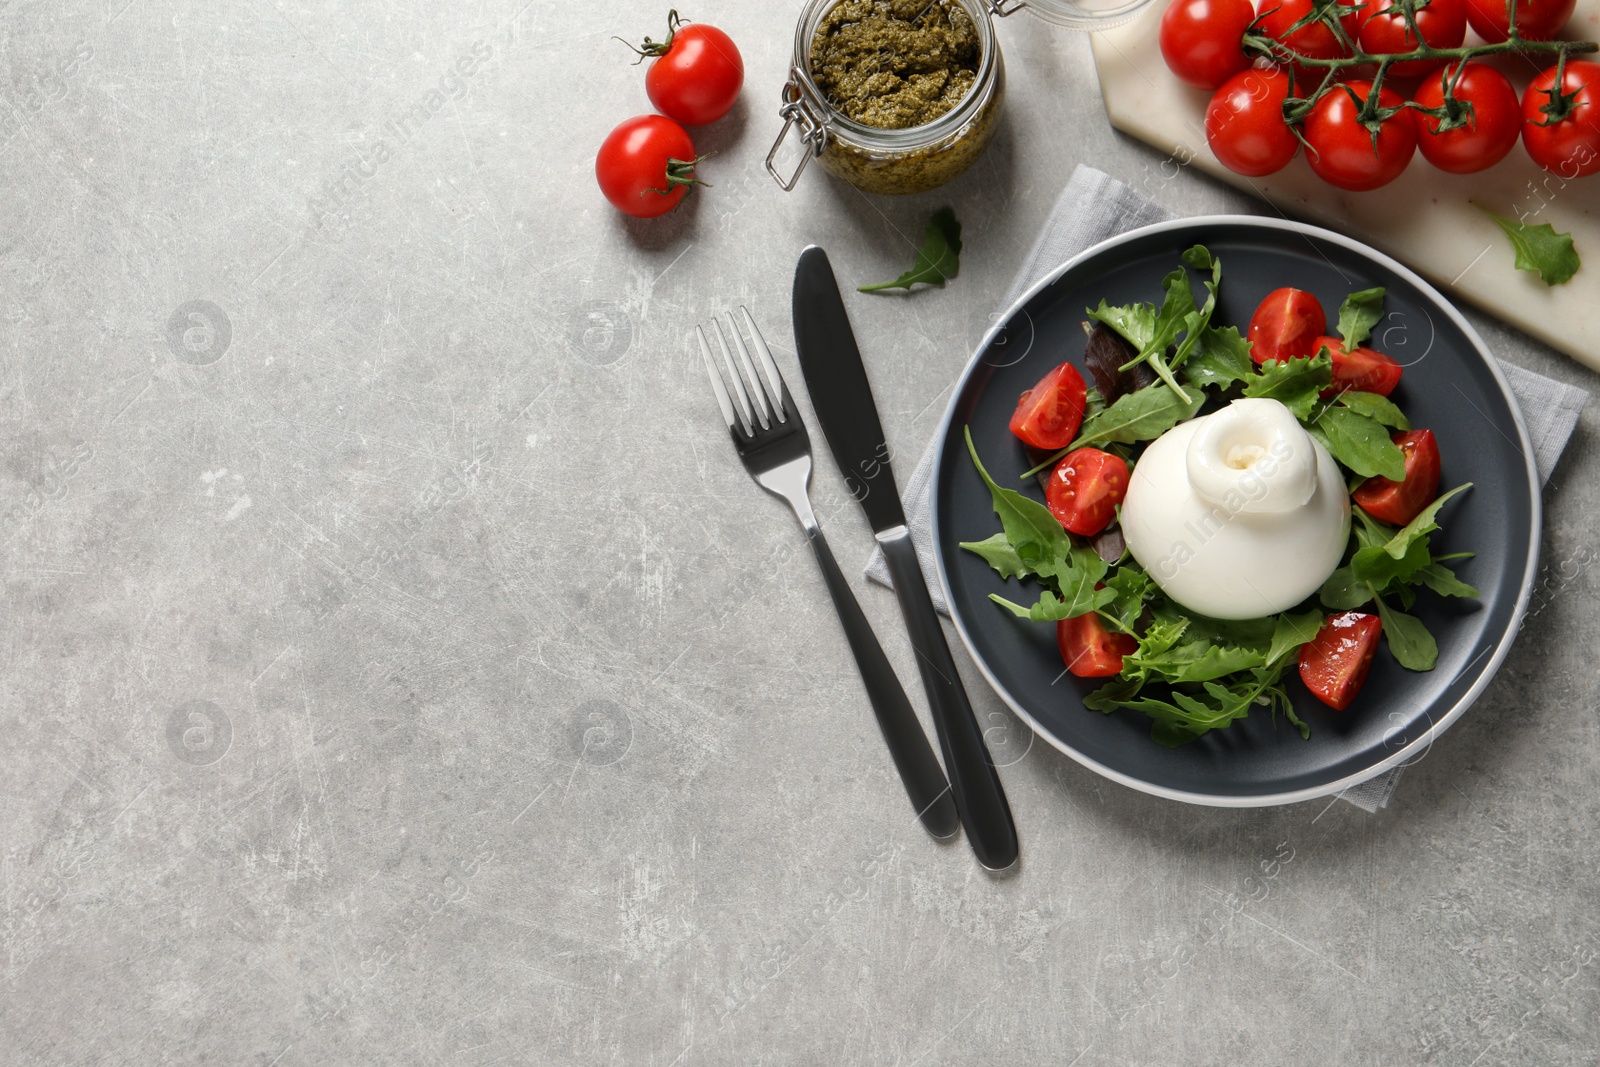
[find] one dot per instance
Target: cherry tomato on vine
(1085, 488)
(1567, 139)
(1200, 39)
(1537, 20)
(1397, 503)
(1315, 41)
(1442, 23)
(1244, 123)
(697, 73)
(1286, 325)
(1343, 151)
(646, 166)
(1492, 128)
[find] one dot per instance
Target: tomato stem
(654, 49)
(681, 172)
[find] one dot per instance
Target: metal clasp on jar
(797, 112)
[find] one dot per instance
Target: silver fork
(776, 450)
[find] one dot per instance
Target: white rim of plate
(1418, 746)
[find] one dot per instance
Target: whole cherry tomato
(1200, 39)
(1363, 369)
(1090, 650)
(1443, 24)
(697, 73)
(1567, 139)
(1397, 503)
(1334, 664)
(1493, 124)
(1343, 151)
(1048, 415)
(646, 166)
(1314, 41)
(1287, 324)
(1537, 20)
(1244, 123)
(1085, 489)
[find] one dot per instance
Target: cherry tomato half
(1244, 123)
(1342, 151)
(1286, 325)
(1361, 369)
(1334, 664)
(1048, 415)
(1537, 20)
(1569, 146)
(1085, 489)
(1492, 128)
(1200, 39)
(645, 166)
(1090, 650)
(1397, 503)
(1442, 23)
(698, 76)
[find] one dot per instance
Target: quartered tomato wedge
(1397, 503)
(1090, 650)
(1361, 368)
(1048, 415)
(1334, 664)
(1286, 325)
(1085, 489)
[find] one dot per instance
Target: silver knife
(842, 397)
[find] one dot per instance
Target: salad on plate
(1224, 510)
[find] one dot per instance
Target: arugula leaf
(1377, 566)
(1195, 661)
(1359, 313)
(1343, 591)
(1139, 416)
(1378, 408)
(1360, 443)
(999, 554)
(1413, 646)
(1197, 322)
(1289, 632)
(1219, 357)
(1422, 525)
(1443, 580)
(1036, 535)
(1295, 383)
(938, 260)
(1368, 530)
(1132, 587)
(1135, 322)
(1540, 248)
(1052, 608)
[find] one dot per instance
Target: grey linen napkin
(1093, 207)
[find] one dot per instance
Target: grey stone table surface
(399, 668)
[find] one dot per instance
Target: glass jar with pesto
(900, 96)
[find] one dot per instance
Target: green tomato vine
(1452, 113)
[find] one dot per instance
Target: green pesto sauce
(894, 64)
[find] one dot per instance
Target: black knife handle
(980, 799)
(925, 783)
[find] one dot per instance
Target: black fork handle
(980, 798)
(925, 783)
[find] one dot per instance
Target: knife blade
(841, 395)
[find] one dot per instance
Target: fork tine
(718, 386)
(750, 415)
(756, 384)
(764, 356)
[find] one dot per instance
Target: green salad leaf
(1142, 415)
(1359, 313)
(1219, 357)
(1359, 442)
(939, 258)
(1294, 383)
(1000, 555)
(1378, 408)
(1540, 248)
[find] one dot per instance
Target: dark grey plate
(1451, 386)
